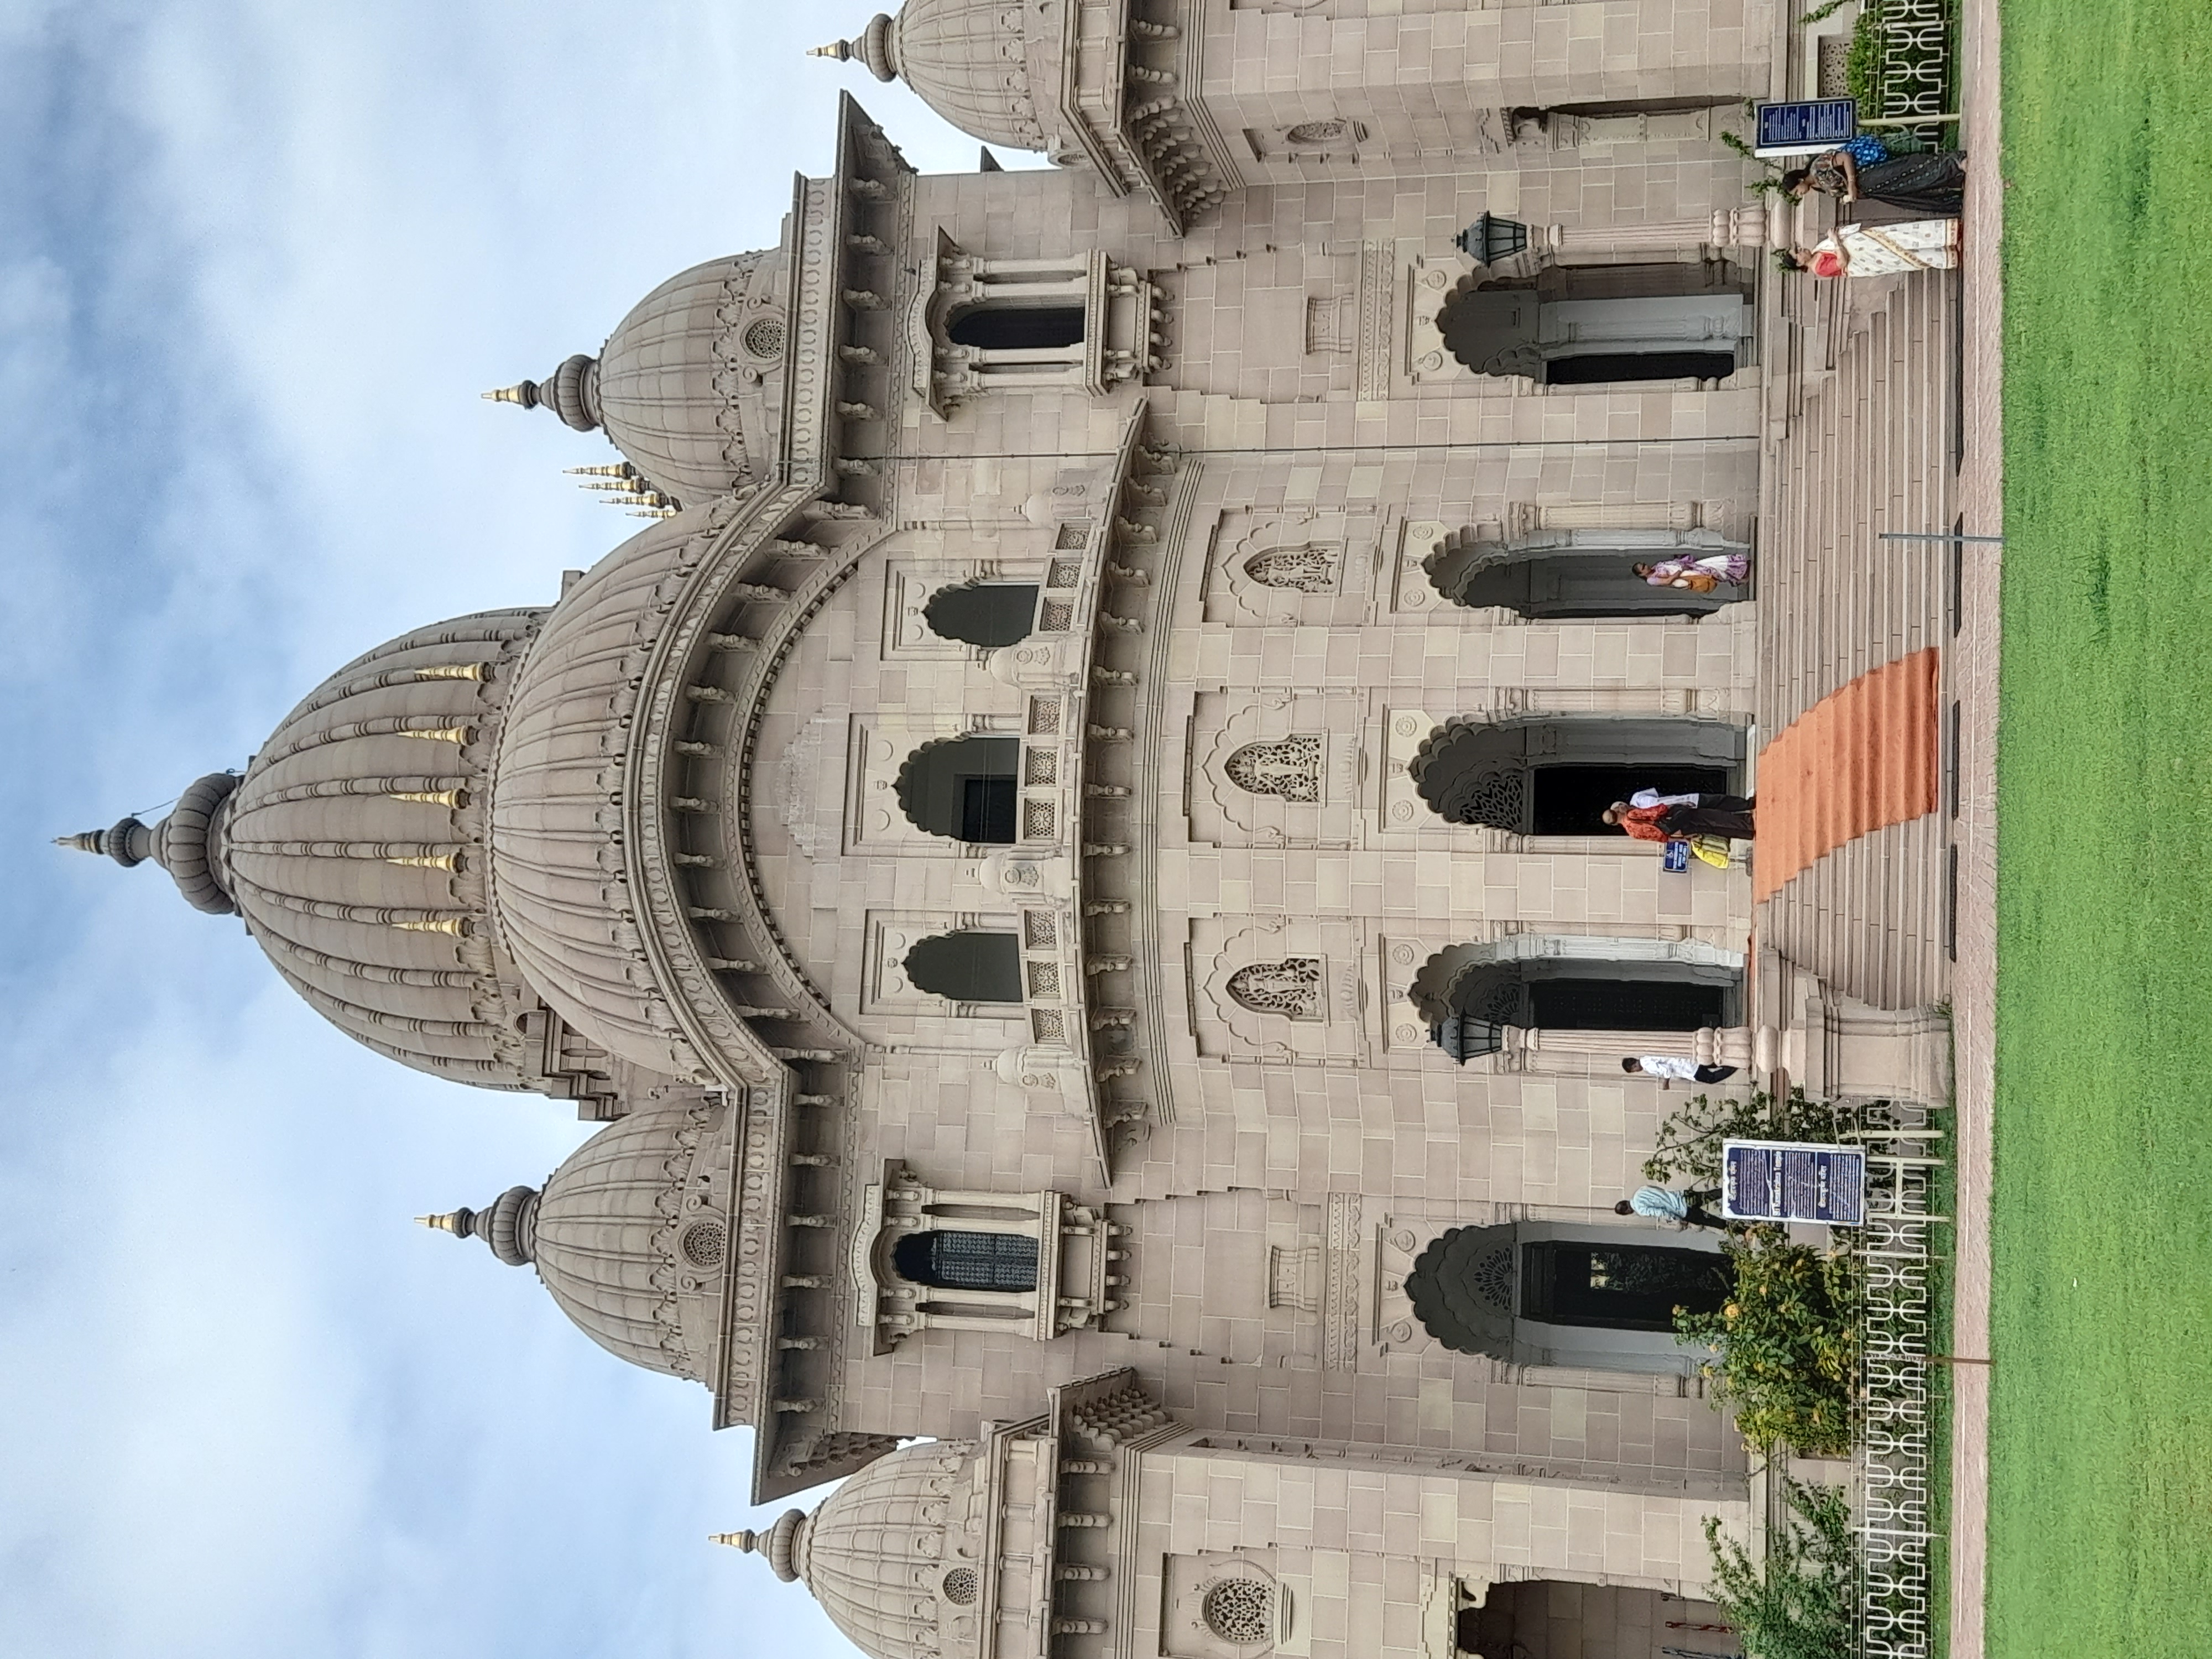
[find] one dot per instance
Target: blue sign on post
(1677, 857)
(1793, 1181)
(1806, 126)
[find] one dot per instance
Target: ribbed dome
(972, 61)
(690, 385)
(560, 872)
(612, 1229)
(355, 849)
(628, 1234)
(893, 1555)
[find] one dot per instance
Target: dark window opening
(963, 788)
(987, 810)
(1018, 328)
(1639, 366)
(1625, 1004)
(1570, 801)
(968, 1262)
(970, 966)
(1621, 1287)
(988, 613)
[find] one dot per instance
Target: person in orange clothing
(1731, 815)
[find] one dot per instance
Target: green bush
(1862, 65)
(1795, 1604)
(1689, 1145)
(1786, 1343)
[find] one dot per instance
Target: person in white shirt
(1672, 1068)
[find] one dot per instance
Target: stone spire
(778, 1545)
(184, 843)
(572, 392)
(872, 47)
(508, 1225)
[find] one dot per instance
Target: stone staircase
(1866, 419)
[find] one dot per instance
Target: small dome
(689, 386)
(561, 874)
(975, 61)
(894, 1553)
(628, 1234)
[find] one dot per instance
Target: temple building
(1066, 855)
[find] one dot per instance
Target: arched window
(1018, 327)
(1586, 324)
(1307, 570)
(962, 787)
(1289, 767)
(988, 613)
(1556, 775)
(1290, 987)
(968, 966)
(950, 1260)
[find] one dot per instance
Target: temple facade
(1066, 855)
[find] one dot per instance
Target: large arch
(971, 965)
(963, 788)
(1553, 775)
(1564, 575)
(1549, 1293)
(1469, 992)
(1587, 325)
(983, 613)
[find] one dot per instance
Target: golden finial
(617, 469)
(450, 1223)
(736, 1541)
(839, 50)
(524, 393)
(85, 841)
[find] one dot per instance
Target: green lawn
(2102, 1455)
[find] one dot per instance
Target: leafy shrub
(1795, 1604)
(1786, 1342)
(1689, 1145)
(1863, 64)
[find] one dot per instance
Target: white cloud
(256, 259)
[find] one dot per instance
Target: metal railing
(1894, 1583)
(1917, 71)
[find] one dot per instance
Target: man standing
(1672, 1068)
(1650, 816)
(1677, 1211)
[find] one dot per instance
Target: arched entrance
(1553, 1618)
(962, 787)
(1554, 774)
(1013, 326)
(968, 966)
(986, 614)
(1469, 992)
(1568, 574)
(1551, 1293)
(1586, 324)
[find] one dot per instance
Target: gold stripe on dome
(441, 861)
(454, 924)
(441, 734)
(455, 670)
(455, 797)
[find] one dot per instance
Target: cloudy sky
(257, 259)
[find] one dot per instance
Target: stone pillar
(1582, 1053)
(1740, 227)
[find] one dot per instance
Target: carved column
(1580, 1052)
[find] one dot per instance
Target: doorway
(1570, 801)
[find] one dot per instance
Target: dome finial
(842, 51)
(571, 390)
(455, 1222)
(85, 841)
(508, 1225)
(522, 392)
(777, 1546)
(749, 1541)
(873, 48)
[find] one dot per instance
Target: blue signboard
(1806, 126)
(1793, 1181)
(1678, 856)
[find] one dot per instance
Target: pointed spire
(842, 51)
(508, 1225)
(571, 391)
(736, 1541)
(85, 841)
(777, 1546)
(873, 48)
(522, 392)
(453, 1221)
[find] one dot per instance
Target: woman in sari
(1701, 575)
(1934, 184)
(1878, 250)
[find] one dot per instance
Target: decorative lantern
(1490, 238)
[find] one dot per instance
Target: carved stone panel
(1275, 769)
(1291, 566)
(1278, 989)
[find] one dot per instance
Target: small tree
(1786, 1342)
(1689, 1144)
(1795, 1604)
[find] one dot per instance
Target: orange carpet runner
(1861, 758)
